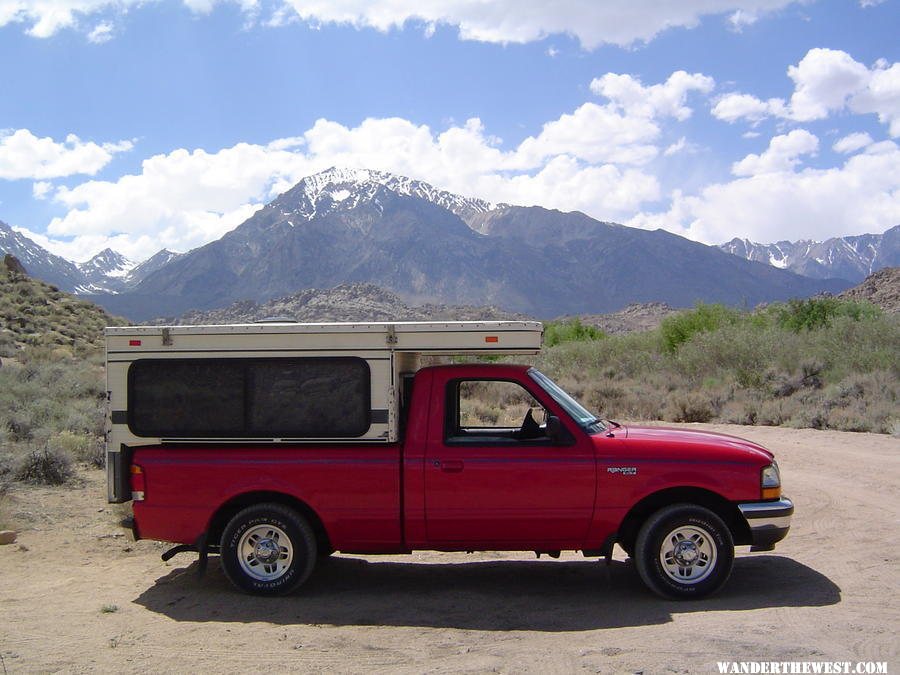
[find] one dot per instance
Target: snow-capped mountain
(106, 272)
(428, 245)
(157, 261)
(852, 258)
(343, 189)
(38, 261)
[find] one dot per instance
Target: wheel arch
(728, 511)
(229, 509)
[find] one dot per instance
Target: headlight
(770, 482)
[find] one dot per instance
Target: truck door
(493, 476)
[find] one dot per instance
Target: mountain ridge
(852, 257)
(346, 226)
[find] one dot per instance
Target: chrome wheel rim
(265, 552)
(688, 554)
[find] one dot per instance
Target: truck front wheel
(684, 551)
(268, 549)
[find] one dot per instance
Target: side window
(249, 398)
(493, 411)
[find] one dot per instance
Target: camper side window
(249, 398)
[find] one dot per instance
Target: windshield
(576, 411)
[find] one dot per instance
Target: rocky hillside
(34, 313)
(348, 302)
(881, 288)
(634, 318)
(38, 261)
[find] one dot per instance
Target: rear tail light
(138, 483)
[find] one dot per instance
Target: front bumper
(769, 522)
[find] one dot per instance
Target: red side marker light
(134, 343)
(491, 338)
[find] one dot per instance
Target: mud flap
(199, 546)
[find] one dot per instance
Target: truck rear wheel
(684, 551)
(268, 549)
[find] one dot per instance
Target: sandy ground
(77, 595)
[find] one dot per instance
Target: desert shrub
(556, 332)
(7, 343)
(45, 465)
(5, 520)
(83, 447)
(679, 328)
(812, 313)
(689, 407)
(740, 412)
(811, 415)
(774, 413)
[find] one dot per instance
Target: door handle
(451, 465)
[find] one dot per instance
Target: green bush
(557, 332)
(679, 328)
(812, 313)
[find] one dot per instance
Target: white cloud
(882, 97)
(41, 189)
(826, 81)
(619, 22)
(593, 133)
(782, 154)
(733, 107)
(44, 18)
(102, 32)
(852, 142)
(668, 99)
(861, 196)
(740, 19)
(678, 146)
(24, 155)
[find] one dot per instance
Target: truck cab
(365, 450)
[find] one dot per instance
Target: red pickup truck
(273, 447)
(459, 474)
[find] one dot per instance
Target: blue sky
(142, 125)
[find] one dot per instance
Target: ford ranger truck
(265, 461)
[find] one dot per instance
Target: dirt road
(76, 594)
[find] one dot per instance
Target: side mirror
(555, 429)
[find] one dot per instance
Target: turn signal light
(771, 493)
(138, 483)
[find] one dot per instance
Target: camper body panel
(388, 349)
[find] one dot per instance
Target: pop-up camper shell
(271, 383)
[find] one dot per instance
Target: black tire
(269, 565)
(690, 535)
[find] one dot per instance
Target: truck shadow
(502, 595)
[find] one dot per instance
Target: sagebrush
(819, 363)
